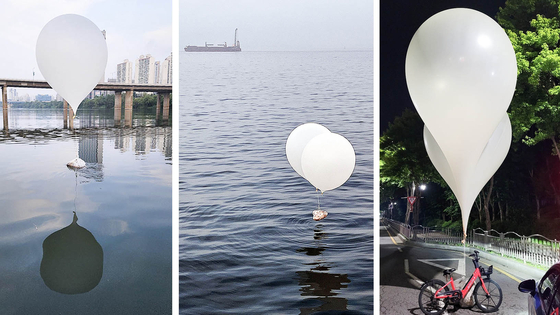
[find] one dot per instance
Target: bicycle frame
(448, 294)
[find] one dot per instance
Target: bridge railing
(535, 249)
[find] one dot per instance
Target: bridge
(118, 88)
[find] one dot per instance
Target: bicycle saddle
(449, 271)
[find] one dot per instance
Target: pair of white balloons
(324, 158)
(71, 53)
(461, 73)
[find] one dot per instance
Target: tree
(517, 14)
(404, 162)
(534, 30)
(535, 108)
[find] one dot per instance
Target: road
(403, 269)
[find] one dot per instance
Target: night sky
(399, 20)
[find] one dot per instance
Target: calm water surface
(122, 198)
(248, 243)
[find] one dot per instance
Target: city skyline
(153, 71)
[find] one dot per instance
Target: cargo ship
(218, 47)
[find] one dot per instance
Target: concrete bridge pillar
(65, 113)
(118, 107)
(71, 118)
(128, 98)
(5, 105)
(158, 105)
(165, 106)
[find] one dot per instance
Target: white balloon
(492, 157)
(298, 139)
(461, 73)
(328, 161)
(72, 55)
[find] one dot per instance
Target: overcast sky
(134, 28)
(278, 25)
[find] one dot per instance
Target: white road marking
(407, 271)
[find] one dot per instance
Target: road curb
(515, 268)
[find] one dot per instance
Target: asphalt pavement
(406, 265)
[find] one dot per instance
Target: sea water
(248, 244)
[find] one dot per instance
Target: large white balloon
(492, 156)
(461, 73)
(328, 161)
(72, 55)
(298, 139)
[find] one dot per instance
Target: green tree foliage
(535, 34)
(518, 14)
(99, 102)
(37, 104)
(404, 162)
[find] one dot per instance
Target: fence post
(501, 244)
(524, 243)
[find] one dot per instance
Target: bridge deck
(160, 88)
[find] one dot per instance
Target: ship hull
(212, 49)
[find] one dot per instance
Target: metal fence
(400, 227)
(426, 234)
(535, 248)
(436, 235)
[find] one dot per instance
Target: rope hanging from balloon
(75, 190)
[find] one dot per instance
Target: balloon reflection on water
(72, 260)
(318, 282)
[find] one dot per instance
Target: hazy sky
(278, 25)
(134, 28)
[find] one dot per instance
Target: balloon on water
(71, 53)
(328, 161)
(494, 154)
(298, 139)
(461, 73)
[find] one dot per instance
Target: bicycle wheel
(488, 302)
(427, 301)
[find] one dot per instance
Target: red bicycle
(435, 294)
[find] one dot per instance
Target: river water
(122, 200)
(248, 244)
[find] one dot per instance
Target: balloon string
(318, 199)
(76, 190)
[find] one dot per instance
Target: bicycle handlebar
(475, 255)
